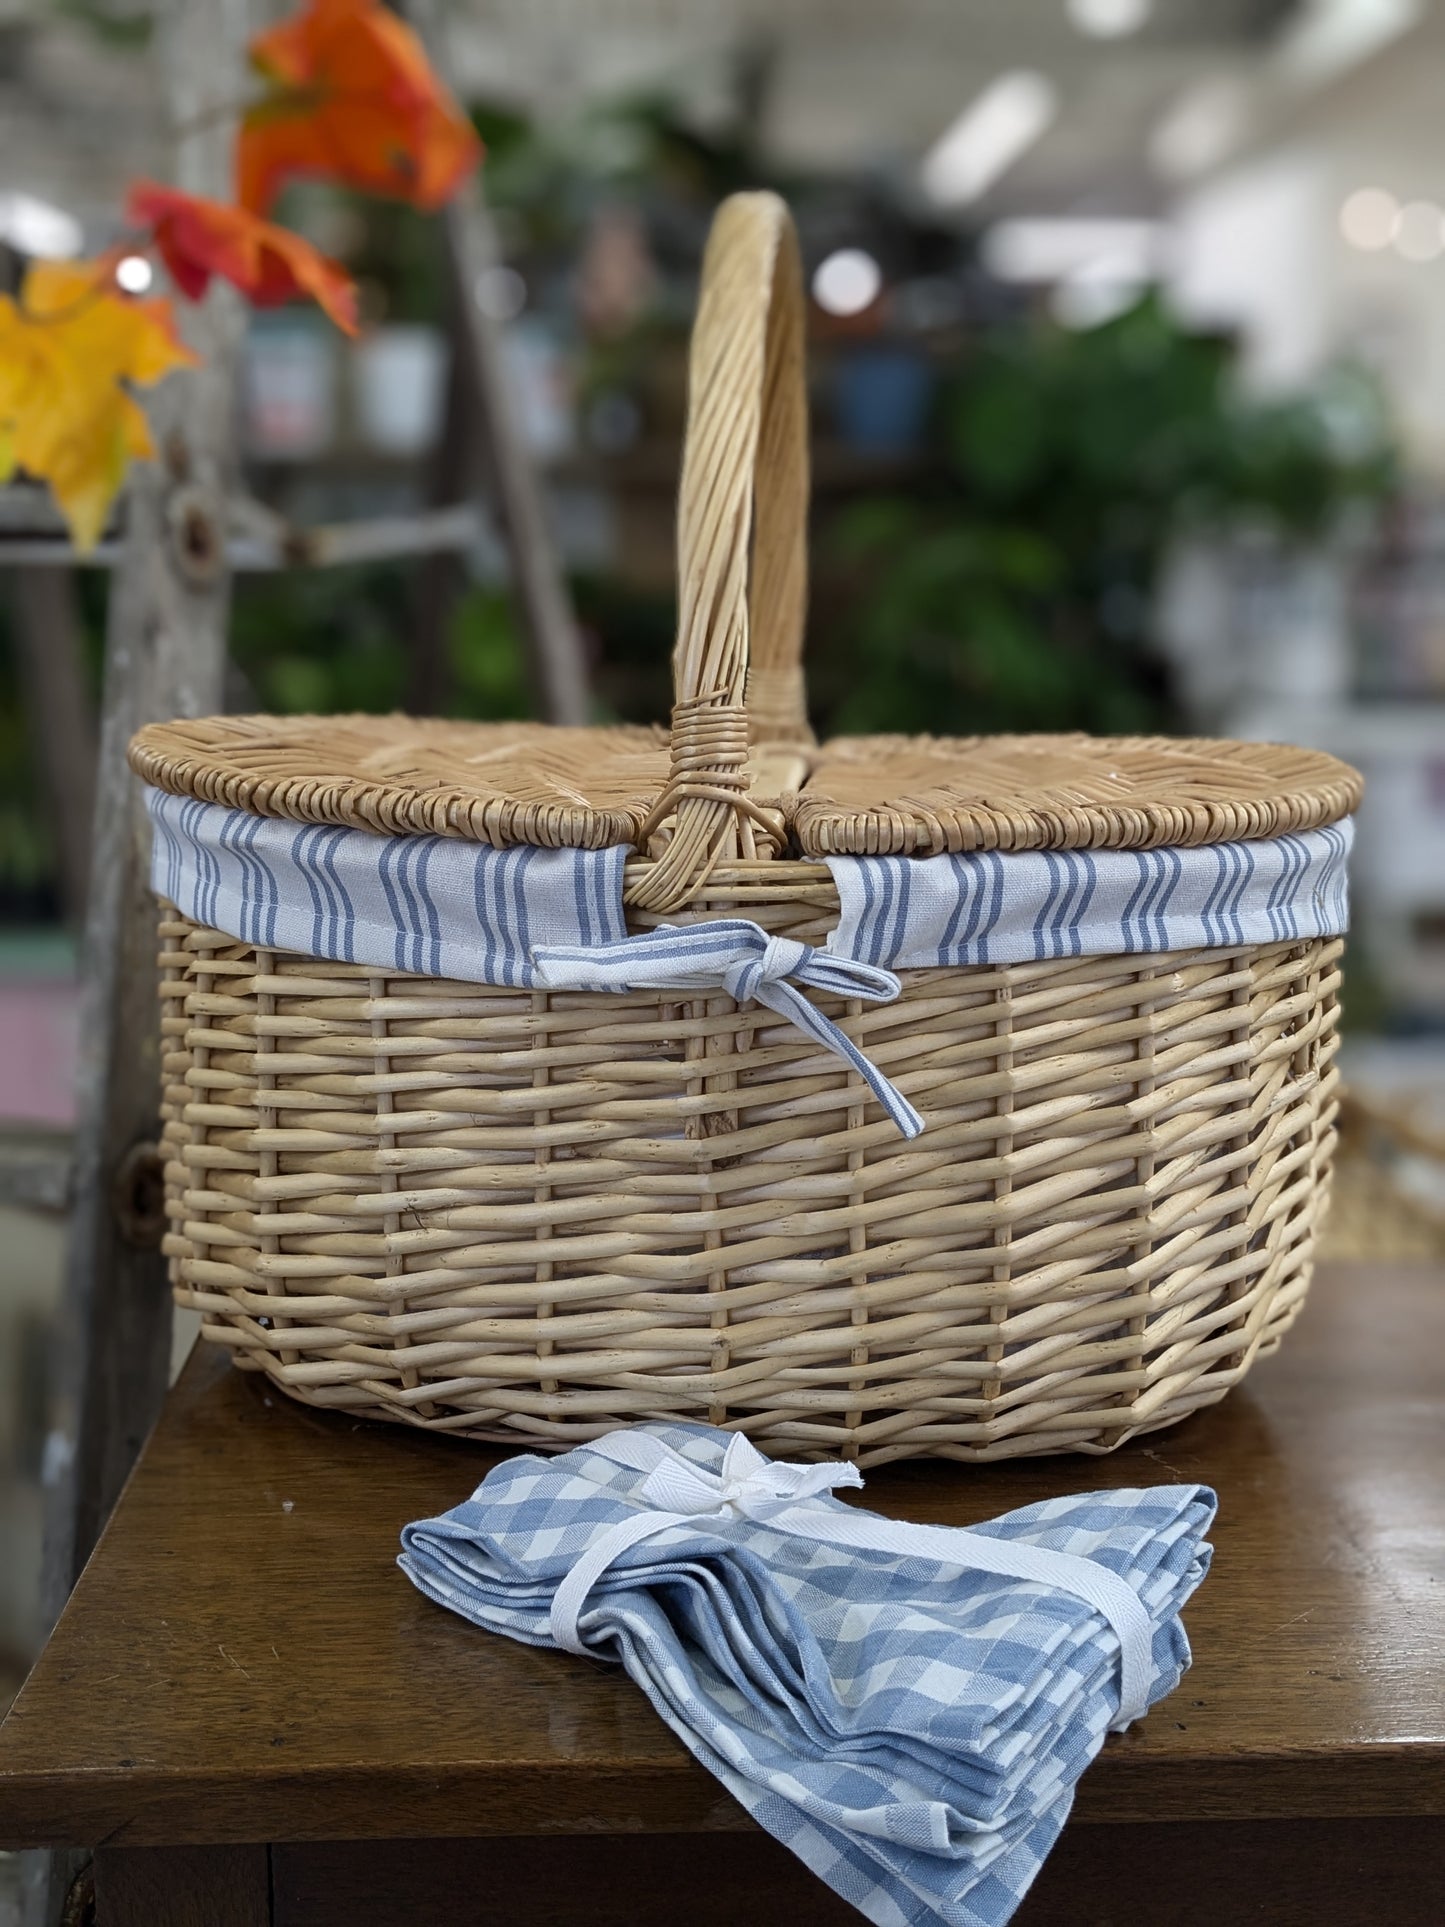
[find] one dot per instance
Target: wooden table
(253, 1718)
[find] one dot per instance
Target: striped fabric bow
(742, 959)
(786, 1498)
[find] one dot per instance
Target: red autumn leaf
(270, 265)
(353, 99)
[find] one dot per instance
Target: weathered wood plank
(538, 588)
(165, 656)
(51, 648)
(441, 577)
(259, 542)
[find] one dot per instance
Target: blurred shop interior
(1127, 350)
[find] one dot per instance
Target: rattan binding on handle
(742, 552)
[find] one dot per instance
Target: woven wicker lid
(510, 783)
(497, 783)
(923, 795)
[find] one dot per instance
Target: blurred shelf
(657, 465)
(35, 1166)
(1390, 727)
(652, 464)
(32, 533)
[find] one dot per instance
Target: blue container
(881, 396)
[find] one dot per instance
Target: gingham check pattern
(912, 1730)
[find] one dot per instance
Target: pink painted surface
(39, 1037)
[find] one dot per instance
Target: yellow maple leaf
(66, 348)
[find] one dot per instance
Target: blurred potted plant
(1014, 587)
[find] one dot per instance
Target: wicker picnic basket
(532, 1215)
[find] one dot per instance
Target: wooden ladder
(186, 528)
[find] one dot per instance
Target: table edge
(181, 1807)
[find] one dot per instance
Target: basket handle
(737, 664)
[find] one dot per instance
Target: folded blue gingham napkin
(907, 1708)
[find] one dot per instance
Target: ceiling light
(1331, 36)
(1419, 231)
(34, 227)
(989, 136)
(1109, 19)
(1050, 250)
(1368, 218)
(1202, 128)
(847, 282)
(134, 273)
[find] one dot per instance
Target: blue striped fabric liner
(446, 908)
(430, 904)
(989, 907)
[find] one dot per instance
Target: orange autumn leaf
(353, 99)
(270, 265)
(65, 349)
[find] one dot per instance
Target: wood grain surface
(242, 1661)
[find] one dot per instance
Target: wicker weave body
(533, 1216)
